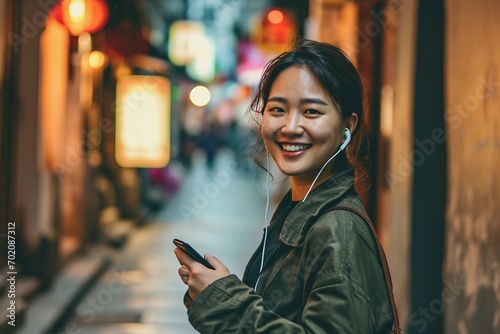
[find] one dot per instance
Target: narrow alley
(219, 212)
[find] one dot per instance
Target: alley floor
(220, 212)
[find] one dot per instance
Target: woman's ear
(352, 122)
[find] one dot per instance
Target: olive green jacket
(324, 278)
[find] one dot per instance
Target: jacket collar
(296, 223)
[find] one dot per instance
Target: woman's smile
(294, 148)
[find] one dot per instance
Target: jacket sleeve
(338, 305)
(187, 300)
(230, 306)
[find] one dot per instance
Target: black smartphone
(186, 248)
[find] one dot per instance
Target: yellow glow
(143, 121)
(84, 42)
(54, 44)
(200, 96)
(387, 110)
(275, 16)
(97, 59)
(202, 68)
(77, 10)
(122, 70)
(184, 41)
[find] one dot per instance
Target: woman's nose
(293, 124)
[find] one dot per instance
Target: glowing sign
(142, 121)
(190, 46)
(184, 43)
(202, 68)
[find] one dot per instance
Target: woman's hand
(197, 276)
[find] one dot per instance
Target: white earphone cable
(316, 178)
(265, 220)
(341, 148)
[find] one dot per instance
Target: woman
(319, 271)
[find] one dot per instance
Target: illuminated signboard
(184, 43)
(190, 46)
(142, 121)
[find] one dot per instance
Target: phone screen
(186, 248)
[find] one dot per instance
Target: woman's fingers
(184, 274)
(196, 275)
(183, 258)
(215, 262)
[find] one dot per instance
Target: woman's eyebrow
(276, 99)
(313, 100)
(309, 100)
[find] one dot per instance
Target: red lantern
(81, 16)
(276, 30)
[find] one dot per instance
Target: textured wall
(471, 292)
(396, 146)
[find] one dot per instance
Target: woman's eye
(311, 112)
(276, 109)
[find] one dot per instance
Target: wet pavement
(219, 212)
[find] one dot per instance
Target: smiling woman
(319, 268)
(336, 84)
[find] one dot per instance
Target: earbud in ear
(347, 136)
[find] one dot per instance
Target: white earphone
(347, 135)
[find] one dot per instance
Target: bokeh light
(200, 96)
(77, 10)
(275, 16)
(97, 59)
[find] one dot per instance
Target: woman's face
(301, 126)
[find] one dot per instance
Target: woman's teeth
(294, 148)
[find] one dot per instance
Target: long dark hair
(337, 75)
